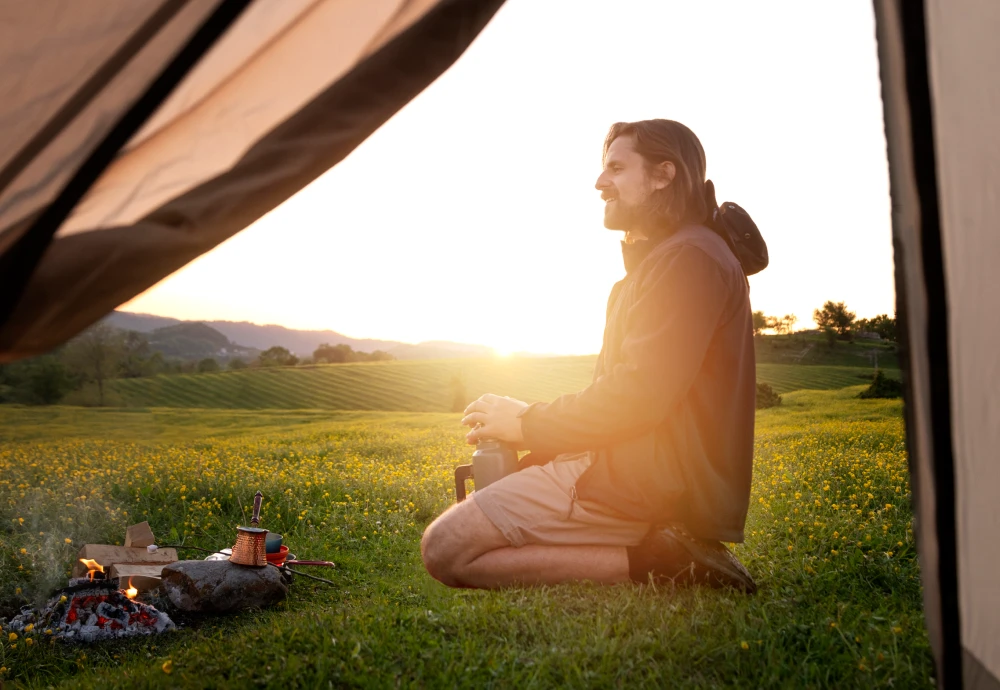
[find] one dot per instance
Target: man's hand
(498, 419)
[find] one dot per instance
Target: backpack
(739, 231)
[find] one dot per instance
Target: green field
(413, 386)
(829, 542)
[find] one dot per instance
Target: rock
(222, 586)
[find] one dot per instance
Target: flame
(92, 567)
(131, 592)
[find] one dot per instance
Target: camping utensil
(250, 547)
(492, 461)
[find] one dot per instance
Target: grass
(412, 386)
(828, 540)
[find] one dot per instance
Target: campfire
(101, 599)
(93, 610)
(112, 588)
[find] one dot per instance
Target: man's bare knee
(456, 538)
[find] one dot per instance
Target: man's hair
(683, 200)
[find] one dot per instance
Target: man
(643, 474)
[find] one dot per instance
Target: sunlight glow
(471, 215)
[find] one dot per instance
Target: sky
(472, 215)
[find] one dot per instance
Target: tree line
(835, 321)
(102, 352)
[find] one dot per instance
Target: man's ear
(665, 173)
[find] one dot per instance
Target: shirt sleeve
(679, 304)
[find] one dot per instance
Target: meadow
(414, 386)
(829, 542)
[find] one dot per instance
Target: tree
(885, 326)
(41, 380)
(208, 365)
(48, 380)
(835, 315)
(96, 355)
(277, 356)
(135, 356)
(236, 363)
(785, 323)
(760, 322)
(334, 354)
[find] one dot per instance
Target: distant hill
(194, 340)
(302, 343)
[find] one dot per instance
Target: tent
(135, 136)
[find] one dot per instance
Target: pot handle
(255, 518)
(462, 472)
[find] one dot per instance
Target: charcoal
(88, 612)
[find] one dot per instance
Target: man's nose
(602, 183)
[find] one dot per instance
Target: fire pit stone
(222, 586)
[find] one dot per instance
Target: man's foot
(670, 553)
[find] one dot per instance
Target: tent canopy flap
(286, 92)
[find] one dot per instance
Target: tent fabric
(939, 60)
(288, 91)
(123, 57)
(968, 157)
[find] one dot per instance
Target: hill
(301, 342)
(195, 340)
(415, 386)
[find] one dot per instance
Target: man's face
(626, 185)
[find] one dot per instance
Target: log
(139, 535)
(108, 556)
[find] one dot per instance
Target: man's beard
(628, 217)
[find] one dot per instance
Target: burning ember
(93, 567)
(92, 611)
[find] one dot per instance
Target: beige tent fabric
(48, 48)
(37, 185)
(906, 237)
(964, 61)
(275, 60)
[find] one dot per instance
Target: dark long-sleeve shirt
(669, 416)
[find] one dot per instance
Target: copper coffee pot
(250, 548)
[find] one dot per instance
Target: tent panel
(84, 275)
(48, 48)
(911, 296)
(47, 173)
(257, 26)
(975, 676)
(964, 62)
(328, 40)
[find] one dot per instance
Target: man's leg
(463, 548)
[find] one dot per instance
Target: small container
(492, 461)
(279, 557)
(272, 542)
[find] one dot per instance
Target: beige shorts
(538, 505)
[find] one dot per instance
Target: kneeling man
(642, 475)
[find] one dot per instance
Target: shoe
(671, 554)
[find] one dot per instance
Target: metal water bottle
(492, 461)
